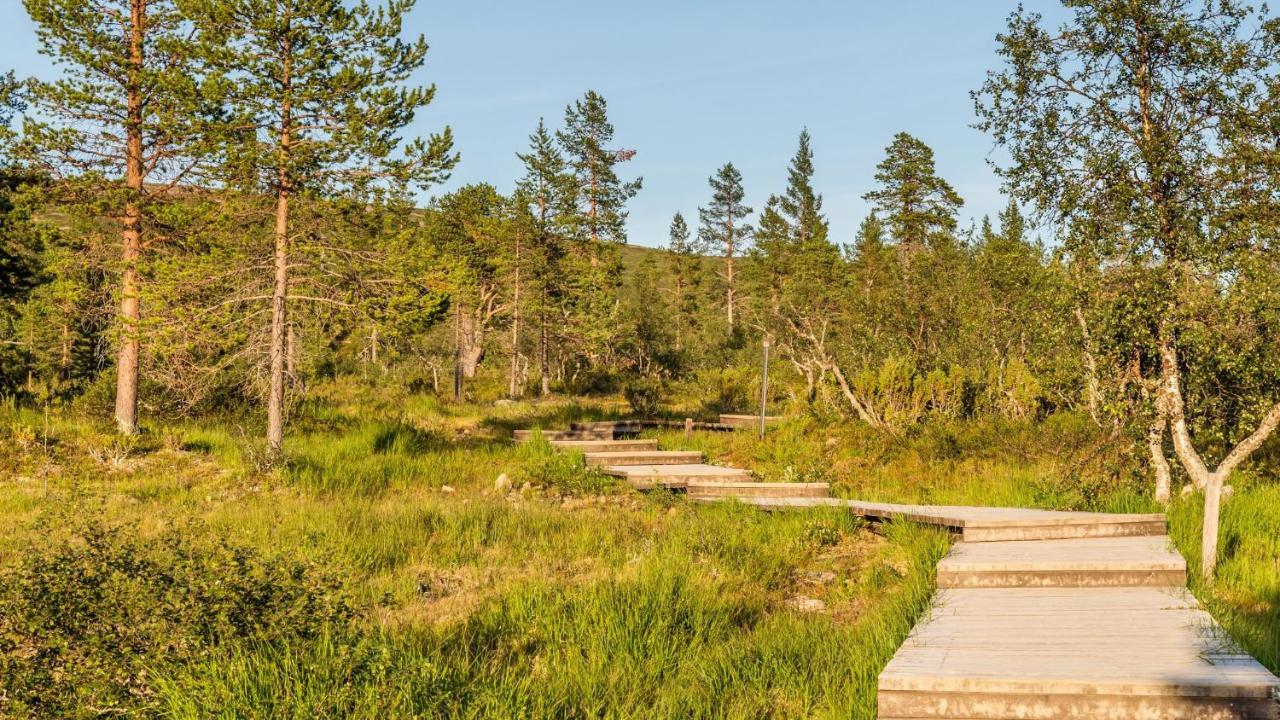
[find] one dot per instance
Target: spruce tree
(724, 230)
(917, 205)
(317, 93)
(800, 205)
(120, 125)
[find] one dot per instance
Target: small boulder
(502, 484)
(807, 604)
(446, 488)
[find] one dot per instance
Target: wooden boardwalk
(1040, 615)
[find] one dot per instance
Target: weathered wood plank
(1095, 652)
(643, 457)
(604, 445)
(1128, 561)
(651, 477)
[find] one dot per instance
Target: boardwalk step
(605, 445)
(523, 435)
(1091, 562)
(985, 524)
(1102, 527)
(1060, 653)
(643, 457)
(719, 490)
(748, 422)
(675, 477)
(991, 524)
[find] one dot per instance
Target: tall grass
(691, 628)
(573, 597)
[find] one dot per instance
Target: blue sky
(693, 84)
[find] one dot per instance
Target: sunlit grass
(562, 594)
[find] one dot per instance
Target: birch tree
(1155, 115)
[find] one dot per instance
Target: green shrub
(644, 395)
(566, 473)
(85, 622)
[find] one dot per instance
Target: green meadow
(382, 572)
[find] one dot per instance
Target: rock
(446, 488)
(502, 484)
(807, 604)
(504, 402)
(824, 577)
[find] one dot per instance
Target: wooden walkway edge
(1040, 614)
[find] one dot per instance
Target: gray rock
(807, 604)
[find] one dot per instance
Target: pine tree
(601, 196)
(597, 225)
(686, 278)
(127, 106)
(723, 230)
(917, 205)
(790, 225)
(316, 93)
(547, 189)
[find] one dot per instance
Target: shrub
(567, 473)
(644, 395)
(86, 622)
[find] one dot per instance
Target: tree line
(213, 206)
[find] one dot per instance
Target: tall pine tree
(547, 189)
(724, 230)
(118, 127)
(317, 92)
(601, 195)
(686, 278)
(917, 205)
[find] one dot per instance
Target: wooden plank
(1131, 561)
(604, 445)
(719, 490)
(748, 422)
(650, 477)
(980, 524)
(524, 435)
(643, 457)
(1096, 652)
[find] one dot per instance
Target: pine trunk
(280, 290)
(513, 388)
(130, 304)
(728, 275)
(279, 320)
(544, 354)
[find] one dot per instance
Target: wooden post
(688, 429)
(764, 387)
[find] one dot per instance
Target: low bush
(86, 621)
